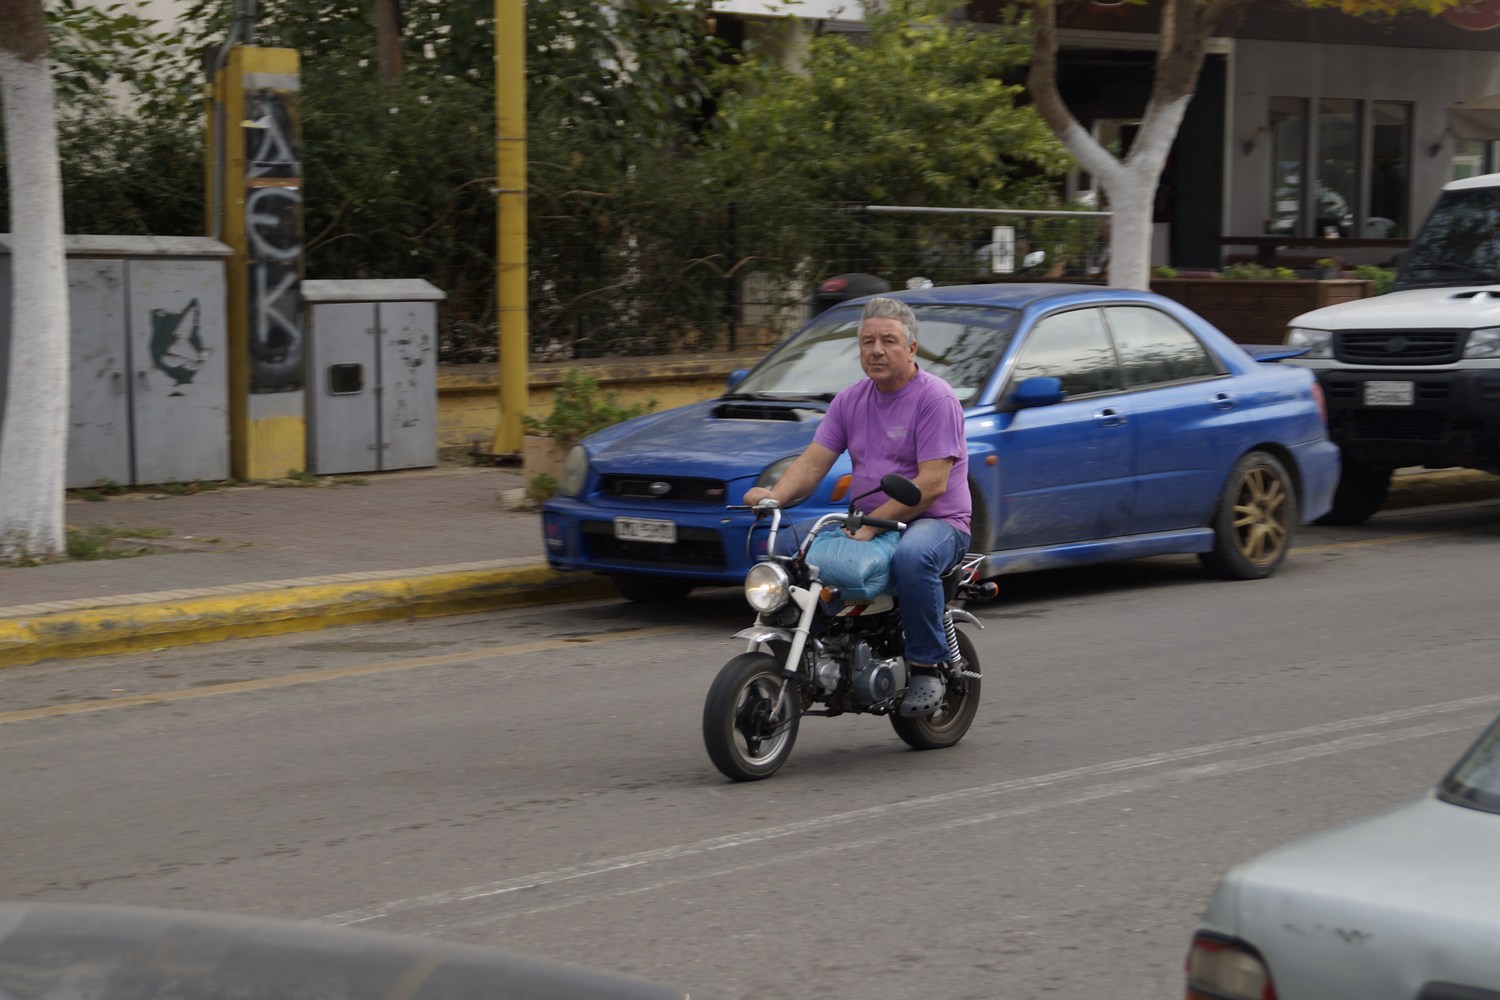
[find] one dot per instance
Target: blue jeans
(928, 548)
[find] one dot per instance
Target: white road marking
(1336, 737)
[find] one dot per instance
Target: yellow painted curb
(132, 628)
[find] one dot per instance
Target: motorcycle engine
(874, 681)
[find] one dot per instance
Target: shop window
(1390, 169)
(1324, 183)
(1472, 157)
(1288, 127)
(1337, 182)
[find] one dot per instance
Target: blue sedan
(1103, 424)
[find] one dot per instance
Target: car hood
(718, 439)
(1413, 309)
(1375, 908)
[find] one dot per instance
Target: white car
(1402, 905)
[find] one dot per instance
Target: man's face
(884, 353)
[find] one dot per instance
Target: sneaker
(924, 692)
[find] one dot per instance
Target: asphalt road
(535, 779)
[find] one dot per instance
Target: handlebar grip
(887, 523)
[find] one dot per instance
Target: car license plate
(1388, 394)
(636, 529)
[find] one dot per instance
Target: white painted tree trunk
(1130, 186)
(34, 427)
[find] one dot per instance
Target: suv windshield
(959, 344)
(1475, 779)
(1459, 244)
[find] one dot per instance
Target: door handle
(1223, 401)
(1109, 417)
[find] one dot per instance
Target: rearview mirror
(901, 489)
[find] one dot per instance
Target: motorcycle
(808, 647)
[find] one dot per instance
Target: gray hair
(882, 307)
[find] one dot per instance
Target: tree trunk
(1130, 183)
(34, 427)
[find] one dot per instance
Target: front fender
(764, 633)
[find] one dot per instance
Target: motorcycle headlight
(1319, 343)
(767, 586)
(575, 471)
(1483, 344)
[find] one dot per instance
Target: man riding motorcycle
(904, 420)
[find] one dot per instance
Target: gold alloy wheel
(1260, 515)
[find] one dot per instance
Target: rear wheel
(650, 589)
(1360, 493)
(947, 725)
(750, 717)
(1254, 520)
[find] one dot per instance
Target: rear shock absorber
(955, 658)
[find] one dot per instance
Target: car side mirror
(735, 377)
(1039, 390)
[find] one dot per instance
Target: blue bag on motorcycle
(860, 570)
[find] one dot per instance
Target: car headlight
(575, 471)
(1226, 970)
(774, 472)
(767, 586)
(1319, 343)
(1483, 343)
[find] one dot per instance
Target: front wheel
(947, 725)
(749, 732)
(1254, 519)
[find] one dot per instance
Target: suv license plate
(1388, 394)
(635, 529)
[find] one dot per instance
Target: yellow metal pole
(510, 161)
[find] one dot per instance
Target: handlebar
(853, 520)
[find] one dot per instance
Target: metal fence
(735, 287)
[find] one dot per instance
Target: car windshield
(1475, 779)
(1460, 242)
(959, 344)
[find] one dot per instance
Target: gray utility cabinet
(372, 374)
(149, 392)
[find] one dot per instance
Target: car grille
(677, 489)
(695, 548)
(1396, 424)
(1399, 347)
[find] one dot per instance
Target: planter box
(1257, 312)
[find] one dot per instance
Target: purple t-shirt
(887, 432)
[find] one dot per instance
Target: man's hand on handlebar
(755, 495)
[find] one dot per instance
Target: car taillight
(1317, 391)
(1218, 969)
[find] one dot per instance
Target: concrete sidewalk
(260, 560)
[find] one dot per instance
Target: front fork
(807, 604)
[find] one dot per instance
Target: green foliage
(100, 542)
(541, 487)
(1249, 271)
(662, 169)
(579, 409)
(1164, 271)
(1382, 277)
(866, 120)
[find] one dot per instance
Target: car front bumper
(712, 545)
